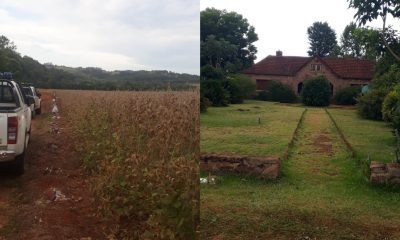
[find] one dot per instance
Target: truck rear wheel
(19, 161)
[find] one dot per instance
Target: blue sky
(282, 25)
(111, 34)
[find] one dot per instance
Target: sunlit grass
(321, 195)
(247, 128)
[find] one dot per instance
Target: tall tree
(369, 10)
(322, 39)
(350, 44)
(361, 42)
(230, 31)
(5, 43)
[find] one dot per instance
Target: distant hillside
(27, 69)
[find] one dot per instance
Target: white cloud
(116, 34)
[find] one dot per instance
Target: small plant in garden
(369, 105)
(278, 92)
(316, 92)
(239, 87)
(391, 107)
(347, 96)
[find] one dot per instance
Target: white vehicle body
(15, 123)
(37, 106)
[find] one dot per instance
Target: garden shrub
(204, 103)
(239, 87)
(391, 108)
(347, 96)
(215, 92)
(316, 92)
(369, 105)
(278, 92)
(387, 80)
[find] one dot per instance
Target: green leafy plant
(278, 92)
(369, 105)
(316, 92)
(347, 96)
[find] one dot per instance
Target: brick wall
(261, 167)
(385, 173)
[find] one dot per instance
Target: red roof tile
(347, 68)
(272, 65)
(351, 68)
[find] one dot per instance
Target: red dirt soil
(29, 208)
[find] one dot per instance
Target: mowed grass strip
(366, 136)
(237, 129)
(322, 194)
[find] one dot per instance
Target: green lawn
(366, 136)
(322, 194)
(236, 129)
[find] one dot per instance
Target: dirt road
(52, 199)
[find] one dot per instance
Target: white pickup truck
(32, 91)
(15, 124)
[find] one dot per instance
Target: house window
(315, 67)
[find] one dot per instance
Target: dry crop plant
(141, 150)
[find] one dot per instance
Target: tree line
(48, 75)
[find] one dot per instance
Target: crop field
(141, 151)
(323, 192)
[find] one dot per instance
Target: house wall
(306, 73)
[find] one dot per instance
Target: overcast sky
(111, 34)
(282, 25)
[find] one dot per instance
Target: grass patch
(236, 129)
(323, 193)
(366, 136)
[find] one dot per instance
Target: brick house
(292, 71)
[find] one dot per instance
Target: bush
(347, 96)
(391, 108)
(369, 105)
(387, 80)
(204, 103)
(239, 87)
(316, 92)
(278, 92)
(215, 92)
(388, 105)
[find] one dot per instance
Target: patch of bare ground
(52, 200)
(323, 143)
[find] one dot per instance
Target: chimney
(279, 53)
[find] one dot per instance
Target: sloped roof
(353, 68)
(347, 68)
